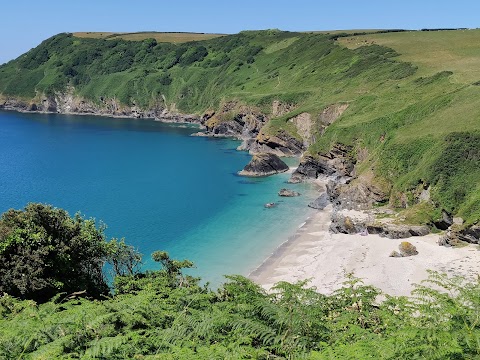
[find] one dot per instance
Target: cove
(151, 183)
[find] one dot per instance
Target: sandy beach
(314, 253)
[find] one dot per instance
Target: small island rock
(288, 193)
(264, 165)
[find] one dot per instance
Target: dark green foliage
(158, 321)
(433, 78)
(44, 251)
(193, 54)
(165, 79)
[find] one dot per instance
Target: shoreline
(325, 258)
(169, 118)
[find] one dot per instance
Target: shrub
(44, 251)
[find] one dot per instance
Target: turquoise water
(151, 183)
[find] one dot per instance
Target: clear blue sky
(25, 23)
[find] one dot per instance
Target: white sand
(325, 258)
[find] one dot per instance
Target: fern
(103, 348)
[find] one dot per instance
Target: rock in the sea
(270, 205)
(406, 249)
(264, 165)
(320, 203)
(288, 193)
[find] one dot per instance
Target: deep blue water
(151, 183)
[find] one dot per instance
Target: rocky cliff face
(283, 144)
(68, 103)
(337, 163)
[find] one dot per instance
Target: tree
(173, 268)
(44, 251)
(123, 258)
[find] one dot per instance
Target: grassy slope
(432, 51)
(170, 37)
(436, 137)
(402, 116)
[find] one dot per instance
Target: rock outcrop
(360, 194)
(356, 222)
(321, 202)
(337, 163)
(281, 144)
(330, 114)
(400, 231)
(444, 222)
(453, 237)
(288, 193)
(264, 165)
(305, 127)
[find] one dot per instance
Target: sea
(152, 184)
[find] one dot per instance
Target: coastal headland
(395, 134)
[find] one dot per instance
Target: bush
(44, 251)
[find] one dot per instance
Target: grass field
(170, 37)
(433, 51)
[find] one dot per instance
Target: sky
(25, 23)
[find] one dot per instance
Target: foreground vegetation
(413, 107)
(165, 314)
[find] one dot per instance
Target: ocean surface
(151, 183)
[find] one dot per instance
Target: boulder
(320, 203)
(288, 193)
(264, 165)
(405, 249)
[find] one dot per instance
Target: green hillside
(413, 107)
